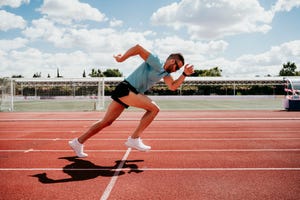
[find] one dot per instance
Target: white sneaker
(137, 144)
(78, 148)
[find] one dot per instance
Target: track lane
(212, 159)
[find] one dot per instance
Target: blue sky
(242, 37)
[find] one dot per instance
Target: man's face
(172, 65)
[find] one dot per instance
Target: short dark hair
(177, 56)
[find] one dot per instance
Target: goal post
(53, 94)
(7, 94)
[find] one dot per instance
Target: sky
(244, 38)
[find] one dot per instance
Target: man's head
(174, 62)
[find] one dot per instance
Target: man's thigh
(139, 101)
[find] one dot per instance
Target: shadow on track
(81, 170)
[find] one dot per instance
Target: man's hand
(189, 69)
(118, 58)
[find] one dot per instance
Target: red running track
(203, 155)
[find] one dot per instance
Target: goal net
(6, 94)
(53, 94)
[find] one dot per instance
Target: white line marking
(160, 169)
(228, 150)
(10, 131)
(113, 180)
(55, 169)
(50, 150)
(152, 139)
(218, 169)
(161, 119)
(158, 151)
(29, 150)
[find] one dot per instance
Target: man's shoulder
(153, 59)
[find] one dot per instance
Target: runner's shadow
(81, 170)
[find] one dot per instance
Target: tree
(37, 75)
(112, 73)
(96, 73)
(208, 72)
(83, 75)
(289, 69)
(17, 76)
(58, 75)
(107, 73)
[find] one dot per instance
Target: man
(130, 93)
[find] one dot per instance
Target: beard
(168, 69)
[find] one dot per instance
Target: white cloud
(115, 23)
(103, 44)
(90, 40)
(7, 45)
(191, 50)
(47, 30)
(30, 60)
(67, 11)
(10, 21)
(286, 5)
(269, 62)
(13, 3)
(216, 18)
(289, 51)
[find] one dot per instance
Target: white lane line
(227, 150)
(219, 169)
(159, 169)
(50, 150)
(28, 150)
(113, 180)
(161, 119)
(152, 139)
(55, 169)
(158, 151)
(10, 131)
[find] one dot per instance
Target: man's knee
(155, 109)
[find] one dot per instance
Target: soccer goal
(52, 94)
(7, 90)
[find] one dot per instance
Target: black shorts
(123, 90)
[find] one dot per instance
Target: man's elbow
(138, 46)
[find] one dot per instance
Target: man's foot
(78, 148)
(137, 144)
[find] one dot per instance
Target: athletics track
(203, 155)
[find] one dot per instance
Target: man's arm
(133, 51)
(174, 84)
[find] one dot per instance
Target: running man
(130, 92)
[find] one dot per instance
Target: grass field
(165, 103)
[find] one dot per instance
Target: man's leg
(144, 102)
(113, 112)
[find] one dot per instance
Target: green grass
(222, 104)
(48, 105)
(165, 103)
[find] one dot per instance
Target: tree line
(93, 73)
(288, 69)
